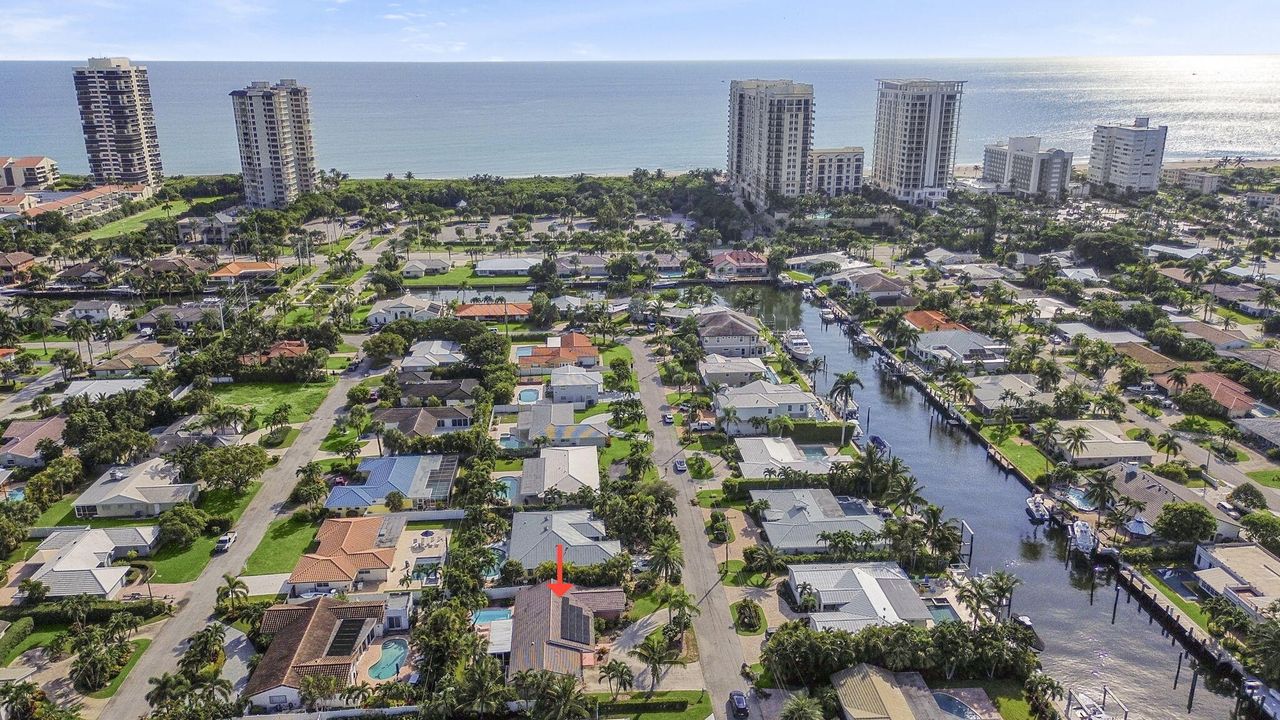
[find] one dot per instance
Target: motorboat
(827, 315)
(1083, 539)
(1037, 510)
(797, 343)
(1036, 643)
(880, 444)
(807, 294)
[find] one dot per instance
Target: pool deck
(374, 653)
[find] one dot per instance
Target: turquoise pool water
(529, 395)
(943, 612)
(1076, 497)
(952, 705)
(394, 652)
(513, 485)
(813, 452)
(495, 570)
(524, 350)
(510, 442)
(488, 615)
(17, 495)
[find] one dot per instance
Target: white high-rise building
(915, 151)
(1127, 157)
(835, 171)
(1021, 167)
(119, 124)
(770, 137)
(277, 157)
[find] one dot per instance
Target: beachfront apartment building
(770, 138)
(118, 121)
(1197, 181)
(277, 155)
(1127, 157)
(836, 171)
(1019, 166)
(915, 141)
(33, 172)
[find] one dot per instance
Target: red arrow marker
(560, 587)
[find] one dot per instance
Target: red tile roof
(479, 310)
(1226, 392)
(931, 320)
(347, 546)
(573, 348)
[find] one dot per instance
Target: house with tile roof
(1217, 337)
(867, 692)
(22, 440)
(551, 632)
(140, 359)
(424, 481)
(408, 306)
(879, 287)
(89, 274)
(562, 470)
(555, 421)
(80, 561)
(930, 321)
(321, 636)
(535, 535)
(425, 355)
(350, 554)
(796, 517)
(494, 312)
(14, 265)
(1234, 398)
(143, 490)
(853, 596)
(730, 333)
(280, 349)
(244, 270)
(766, 401)
(570, 349)
(739, 263)
(1155, 492)
(417, 388)
(29, 172)
(184, 317)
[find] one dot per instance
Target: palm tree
(1178, 378)
(728, 417)
(656, 655)
(619, 676)
(679, 602)
(904, 493)
(975, 596)
(562, 700)
(167, 689)
(666, 556)
(1074, 439)
(842, 393)
(358, 694)
(1168, 444)
(1100, 490)
(801, 707)
(1002, 583)
(781, 425)
(233, 590)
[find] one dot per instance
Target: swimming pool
(942, 611)
(953, 705)
(529, 395)
(495, 571)
(394, 651)
(488, 615)
(1076, 497)
(813, 452)
(513, 485)
(510, 442)
(524, 350)
(17, 495)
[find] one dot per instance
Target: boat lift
(1082, 707)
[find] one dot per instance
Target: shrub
(16, 633)
(749, 615)
(1248, 496)
(1172, 471)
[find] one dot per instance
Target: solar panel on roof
(575, 623)
(346, 637)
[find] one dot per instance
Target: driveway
(239, 652)
(717, 640)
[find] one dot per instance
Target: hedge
(810, 431)
(16, 633)
(100, 611)
(635, 707)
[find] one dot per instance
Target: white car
(225, 542)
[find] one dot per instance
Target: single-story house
(555, 422)
(421, 268)
(867, 692)
(1068, 331)
(573, 384)
(551, 633)
(505, 266)
(1160, 251)
(494, 312)
(244, 270)
(1247, 574)
(559, 351)
(1231, 395)
(1017, 392)
(853, 596)
(1152, 361)
(563, 470)
(350, 553)
(427, 354)
(423, 481)
(760, 454)
(406, 306)
(931, 321)
(764, 400)
(535, 535)
(80, 561)
(579, 265)
(966, 348)
(842, 261)
(449, 392)
(1155, 492)
(1217, 337)
(137, 359)
(424, 420)
(731, 372)
(85, 274)
(143, 490)
(1263, 432)
(184, 317)
(796, 517)
(939, 258)
(22, 440)
(96, 389)
(280, 349)
(1106, 444)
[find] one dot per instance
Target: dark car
(738, 702)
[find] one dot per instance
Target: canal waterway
(1070, 604)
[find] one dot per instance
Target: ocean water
(459, 119)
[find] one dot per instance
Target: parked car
(681, 465)
(668, 419)
(225, 542)
(738, 701)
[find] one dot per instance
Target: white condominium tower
(1021, 167)
(835, 171)
(770, 136)
(1127, 157)
(915, 150)
(118, 121)
(277, 157)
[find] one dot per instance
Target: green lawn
(176, 565)
(735, 573)
(336, 363)
(335, 441)
(1190, 609)
(1239, 317)
(303, 398)
(286, 540)
(134, 223)
(1237, 455)
(1026, 457)
(55, 513)
(508, 465)
(615, 352)
(458, 275)
(643, 606)
(286, 440)
(798, 276)
(699, 705)
(733, 613)
(715, 499)
(1190, 423)
(299, 315)
(597, 409)
(39, 637)
(1270, 478)
(139, 646)
(1006, 694)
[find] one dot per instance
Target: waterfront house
(853, 596)
(512, 266)
(555, 422)
(867, 692)
(967, 349)
(425, 355)
(739, 264)
(761, 401)
(81, 561)
(1016, 392)
(931, 321)
(143, 490)
(350, 553)
(559, 470)
(23, 439)
(559, 351)
(96, 311)
(137, 359)
(215, 229)
(1234, 398)
(423, 481)
(551, 633)
(415, 391)
(321, 636)
(577, 265)
(761, 454)
(1106, 444)
(15, 265)
(840, 260)
(796, 517)
(575, 385)
(1247, 574)
(425, 420)
(245, 270)
(731, 334)
(494, 312)
(881, 288)
(717, 370)
(407, 306)
(535, 535)
(414, 269)
(183, 317)
(1155, 492)
(88, 274)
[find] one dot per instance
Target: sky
(515, 30)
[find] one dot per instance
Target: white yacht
(1083, 538)
(797, 343)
